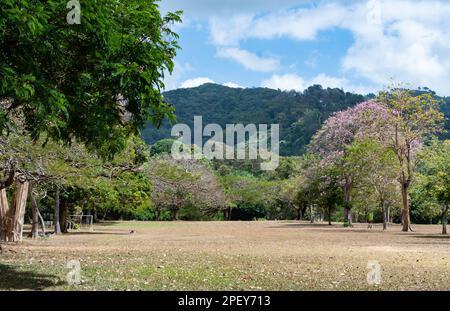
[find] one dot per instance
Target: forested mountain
(300, 114)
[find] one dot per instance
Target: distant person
(370, 221)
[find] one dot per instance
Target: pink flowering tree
(339, 132)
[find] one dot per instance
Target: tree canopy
(98, 81)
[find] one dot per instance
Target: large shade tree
(411, 119)
(97, 82)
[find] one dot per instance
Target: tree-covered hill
(300, 114)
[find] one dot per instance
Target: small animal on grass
(132, 232)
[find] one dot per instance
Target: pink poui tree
(366, 120)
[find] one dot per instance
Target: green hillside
(300, 114)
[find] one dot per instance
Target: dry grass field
(230, 256)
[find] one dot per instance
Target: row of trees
(370, 153)
(380, 157)
(73, 99)
(354, 168)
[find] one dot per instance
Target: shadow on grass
(98, 233)
(334, 228)
(14, 279)
(432, 236)
(304, 225)
(106, 223)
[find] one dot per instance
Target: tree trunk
(305, 208)
(347, 201)
(42, 222)
(388, 213)
(444, 219)
(34, 214)
(405, 212)
(385, 216)
(311, 211)
(299, 214)
(385, 223)
(329, 215)
(348, 217)
(63, 217)
(4, 213)
(176, 214)
(56, 213)
(16, 215)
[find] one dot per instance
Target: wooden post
(34, 214)
(56, 216)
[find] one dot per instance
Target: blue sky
(360, 46)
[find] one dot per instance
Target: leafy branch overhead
(99, 81)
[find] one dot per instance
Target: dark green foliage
(162, 146)
(300, 115)
(98, 81)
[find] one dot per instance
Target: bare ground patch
(231, 256)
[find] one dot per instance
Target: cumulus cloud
(232, 85)
(285, 82)
(249, 60)
(328, 81)
(404, 40)
(298, 24)
(295, 82)
(195, 82)
(409, 45)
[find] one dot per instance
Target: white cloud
(249, 60)
(298, 24)
(328, 81)
(229, 31)
(409, 43)
(285, 82)
(196, 82)
(232, 85)
(295, 82)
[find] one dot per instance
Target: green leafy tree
(374, 168)
(98, 81)
(179, 184)
(434, 178)
(410, 121)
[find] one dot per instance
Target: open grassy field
(230, 256)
